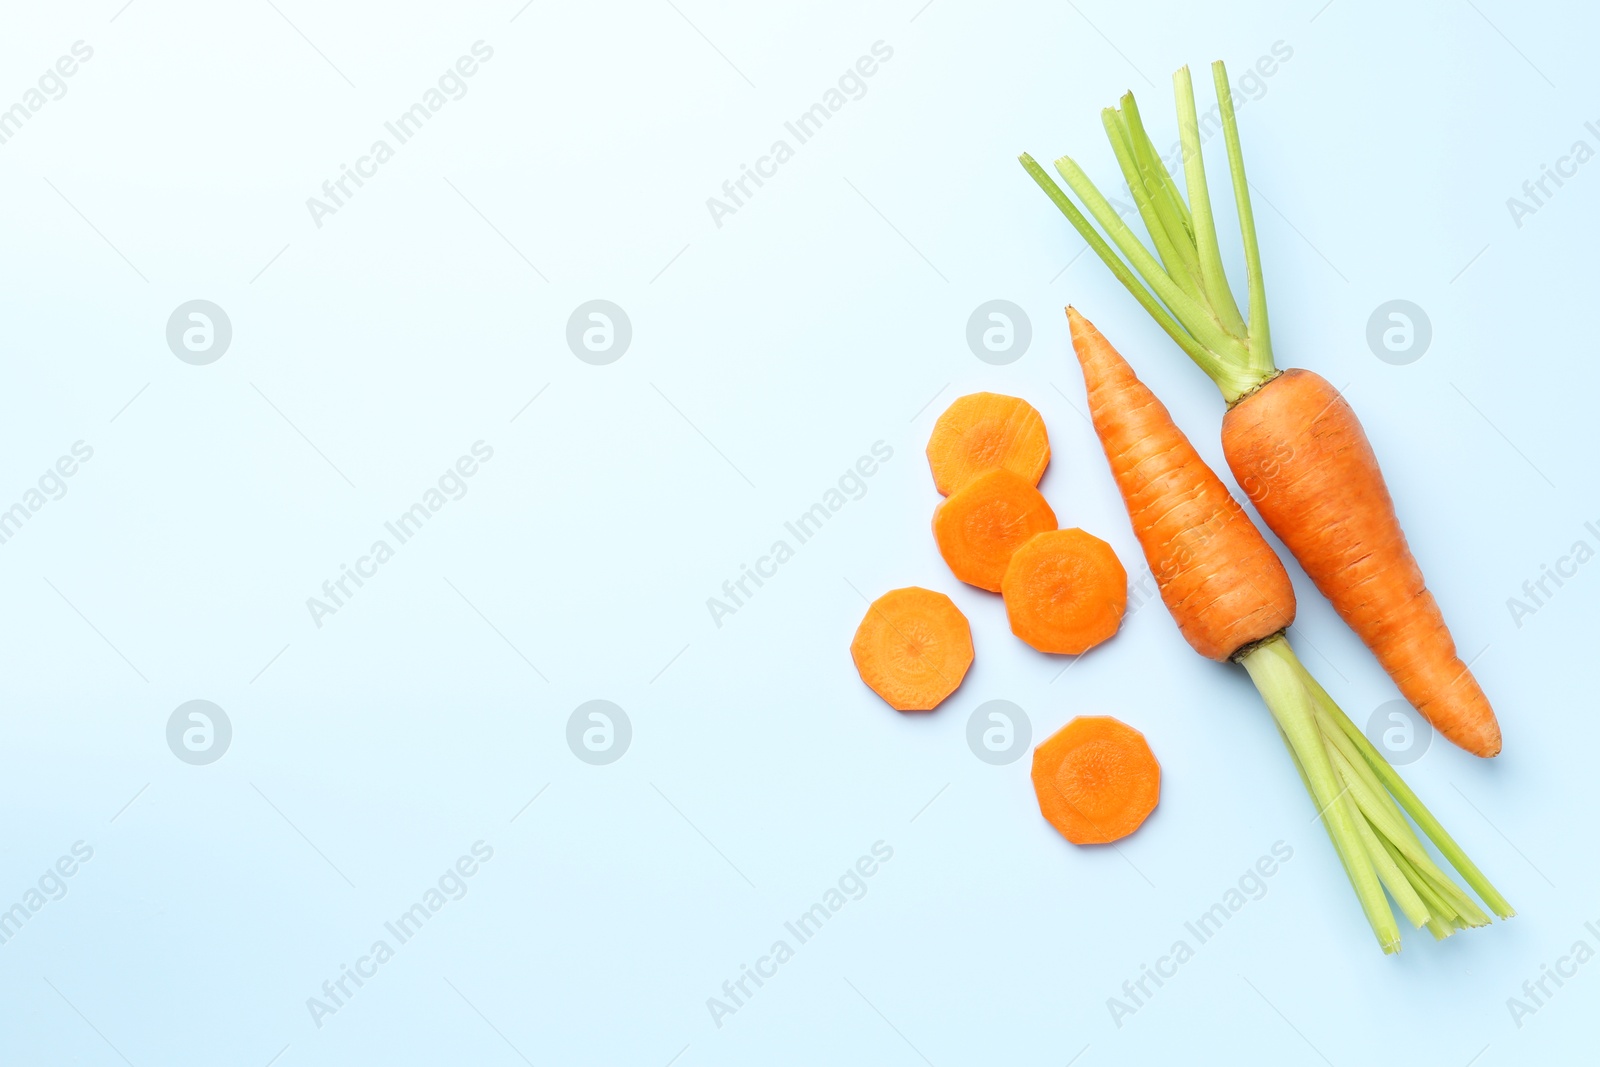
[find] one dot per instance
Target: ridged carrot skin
(1299, 451)
(1222, 582)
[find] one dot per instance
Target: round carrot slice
(1096, 779)
(913, 648)
(983, 523)
(983, 431)
(1065, 591)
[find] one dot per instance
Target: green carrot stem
(1202, 357)
(1413, 807)
(1385, 816)
(1171, 258)
(1174, 212)
(1404, 894)
(1260, 330)
(1212, 276)
(1271, 668)
(1195, 316)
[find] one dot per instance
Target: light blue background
(768, 354)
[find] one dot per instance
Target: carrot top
(1185, 290)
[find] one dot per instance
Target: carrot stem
(1414, 807)
(1361, 799)
(1180, 270)
(1202, 357)
(1260, 331)
(1271, 665)
(1212, 276)
(1201, 321)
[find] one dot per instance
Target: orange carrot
(1096, 780)
(1232, 599)
(1297, 449)
(1223, 584)
(980, 525)
(1289, 437)
(982, 431)
(913, 648)
(1065, 591)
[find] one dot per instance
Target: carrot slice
(1096, 780)
(913, 648)
(980, 525)
(1065, 591)
(983, 431)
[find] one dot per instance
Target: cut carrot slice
(913, 648)
(983, 431)
(1096, 780)
(983, 523)
(1065, 591)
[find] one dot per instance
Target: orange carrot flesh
(1297, 449)
(981, 525)
(985, 431)
(1065, 591)
(1096, 780)
(912, 648)
(1223, 584)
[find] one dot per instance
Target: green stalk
(1271, 667)
(1203, 357)
(1195, 316)
(1205, 228)
(1174, 212)
(1413, 807)
(1171, 257)
(1389, 873)
(1260, 331)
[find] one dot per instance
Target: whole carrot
(1297, 449)
(1231, 598)
(1291, 440)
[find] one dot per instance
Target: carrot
(1150, 458)
(983, 431)
(1297, 449)
(980, 525)
(1228, 591)
(1096, 780)
(1289, 437)
(913, 648)
(1065, 591)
